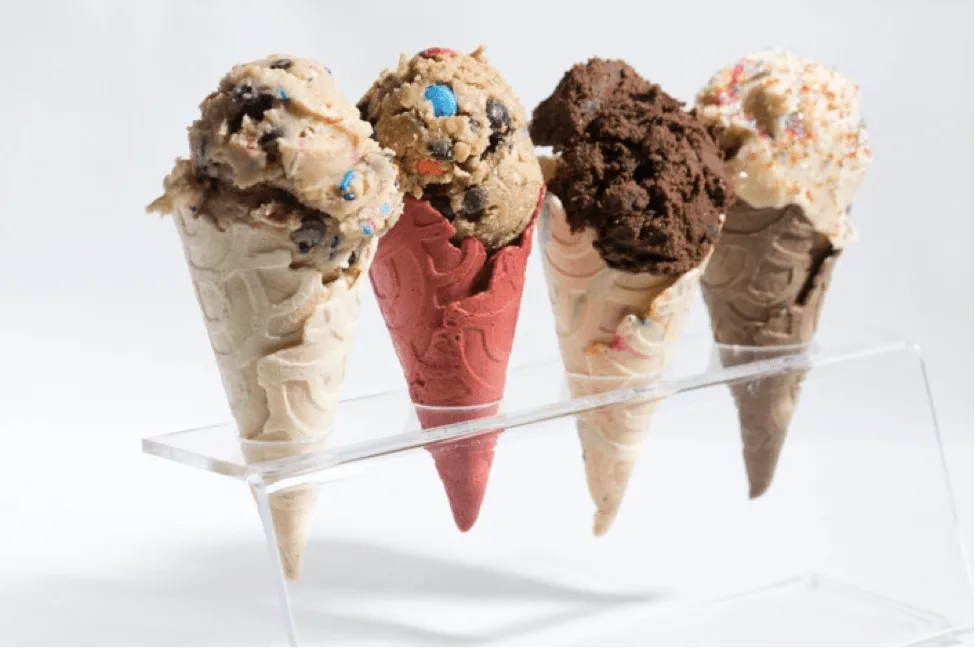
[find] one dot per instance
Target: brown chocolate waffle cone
(765, 287)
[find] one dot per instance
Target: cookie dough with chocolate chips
(277, 146)
(458, 134)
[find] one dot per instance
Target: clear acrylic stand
(855, 541)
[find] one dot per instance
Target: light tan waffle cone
(616, 330)
(281, 339)
(765, 287)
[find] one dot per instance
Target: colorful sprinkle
(384, 210)
(792, 123)
(346, 183)
(737, 71)
(429, 167)
(433, 52)
(283, 95)
(443, 99)
(724, 96)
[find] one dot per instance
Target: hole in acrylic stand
(732, 355)
(430, 417)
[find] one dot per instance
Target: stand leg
(264, 508)
(949, 491)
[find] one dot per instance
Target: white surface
(104, 342)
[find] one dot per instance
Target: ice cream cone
(616, 330)
(279, 207)
(765, 287)
(281, 339)
(451, 312)
(796, 150)
(644, 192)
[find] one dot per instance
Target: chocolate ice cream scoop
(635, 167)
(458, 133)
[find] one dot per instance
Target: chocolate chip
(270, 136)
(244, 93)
(494, 141)
(268, 142)
(352, 259)
(311, 233)
(442, 205)
(442, 149)
(497, 114)
(281, 64)
(473, 204)
(251, 106)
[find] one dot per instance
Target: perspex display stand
(855, 541)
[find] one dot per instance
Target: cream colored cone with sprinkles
(642, 195)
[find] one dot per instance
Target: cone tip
(465, 503)
(602, 521)
(464, 468)
(756, 490)
(292, 567)
(465, 522)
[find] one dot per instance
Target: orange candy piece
(429, 167)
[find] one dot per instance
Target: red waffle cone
(451, 312)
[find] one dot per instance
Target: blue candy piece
(443, 100)
(344, 185)
(283, 95)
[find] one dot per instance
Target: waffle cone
(451, 312)
(616, 330)
(281, 339)
(765, 287)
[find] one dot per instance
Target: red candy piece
(436, 51)
(737, 72)
(429, 167)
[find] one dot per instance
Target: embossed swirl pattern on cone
(765, 286)
(281, 339)
(451, 312)
(616, 330)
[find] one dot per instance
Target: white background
(103, 341)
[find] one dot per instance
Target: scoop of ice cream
(792, 133)
(458, 133)
(644, 174)
(278, 146)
